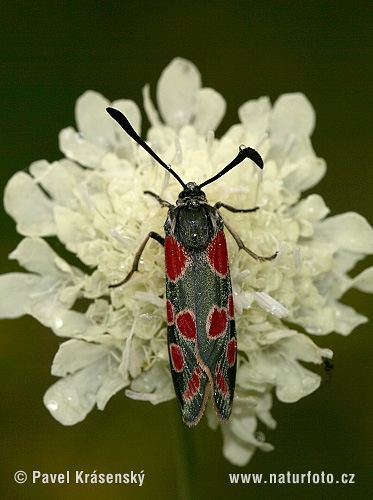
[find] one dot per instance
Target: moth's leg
(235, 210)
(242, 246)
(136, 260)
(162, 202)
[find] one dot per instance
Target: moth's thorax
(193, 221)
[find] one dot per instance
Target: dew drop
(58, 323)
(52, 405)
(260, 437)
(314, 330)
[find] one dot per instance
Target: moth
(202, 341)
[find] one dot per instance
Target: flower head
(93, 201)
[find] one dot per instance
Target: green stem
(185, 458)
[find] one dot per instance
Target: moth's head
(191, 193)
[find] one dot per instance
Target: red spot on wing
(231, 352)
(177, 357)
(170, 313)
(221, 383)
(193, 385)
(186, 323)
(231, 307)
(217, 322)
(176, 258)
(218, 254)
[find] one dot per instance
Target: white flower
(93, 202)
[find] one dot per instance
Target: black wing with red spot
(201, 329)
(217, 343)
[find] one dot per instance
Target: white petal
(59, 179)
(275, 335)
(347, 319)
(312, 208)
(35, 255)
(293, 115)
(46, 297)
(176, 91)
(302, 348)
(94, 123)
(240, 441)
(112, 384)
(29, 206)
(98, 132)
(91, 252)
(44, 300)
(75, 324)
(346, 260)
(316, 320)
(151, 112)
(349, 231)
(280, 367)
(235, 450)
(30, 294)
(243, 426)
(364, 280)
(69, 294)
(326, 353)
(295, 382)
(123, 144)
(153, 385)
(131, 110)
(304, 174)
(210, 109)
(72, 227)
(299, 146)
(73, 355)
(255, 115)
(262, 410)
(78, 149)
(71, 399)
(14, 293)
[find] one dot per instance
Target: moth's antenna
(242, 154)
(127, 127)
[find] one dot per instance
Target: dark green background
(51, 52)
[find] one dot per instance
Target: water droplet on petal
(58, 322)
(260, 437)
(52, 405)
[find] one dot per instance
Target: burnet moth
(199, 302)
